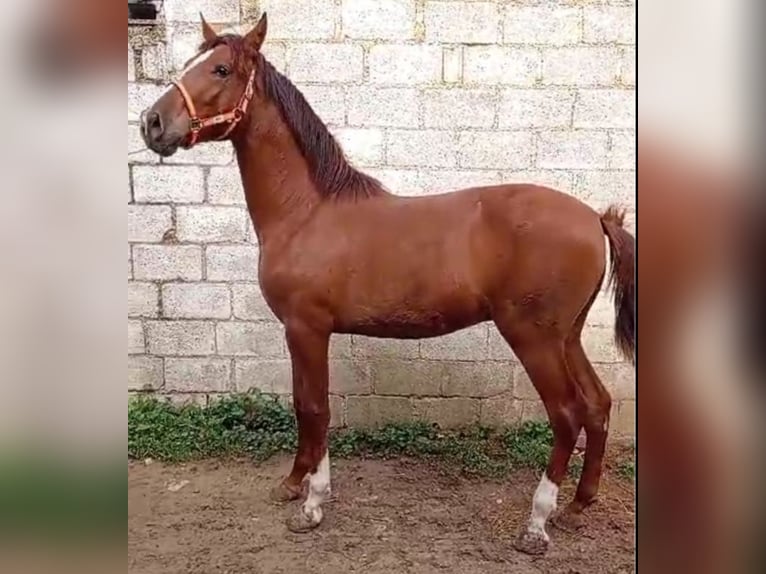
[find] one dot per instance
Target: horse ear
(207, 30)
(257, 35)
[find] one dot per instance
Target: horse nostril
(154, 125)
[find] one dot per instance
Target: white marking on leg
(319, 490)
(543, 504)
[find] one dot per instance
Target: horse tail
(622, 280)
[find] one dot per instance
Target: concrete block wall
(426, 95)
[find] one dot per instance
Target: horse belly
(417, 312)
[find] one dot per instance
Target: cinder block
(144, 373)
(619, 379)
(462, 22)
(477, 379)
(535, 108)
(604, 24)
(154, 62)
(140, 97)
(452, 64)
(378, 106)
(224, 186)
(136, 343)
(196, 301)
(180, 337)
(328, 102)
(340, 347)
(405, 64)
(371, 411)
(496, 149)
(149, 223)
(599, 345)
(623, 422)
(432, 181)
(208, 153)
(498, 65)
(337, 411)
(600, 189)
(581, 149)
(337, 63)
(628, 66)
(276, 54)
(581, 66)
(264, 340)
(552, 25)
(407, 377)
(499, 349)
(136, 144)
(605, 109)
(232, 262)
(131, 65)
(523, 388)
(197, 375)
(448, 413)
(533, 411)
(300, 19)
(500, 412)
(426, 148)
(143, 299)
(372, 347)
(622, 149)
(362, 146)
(403, 182)
(208, 224)
(554, 178)
(167, 262)
(218, 11)
(183, 46)
(167, 184)
(379, 19)
(469, 344)
(249, 303)
(349, 377)
(459, 108)
(272, 376)
(601, 313)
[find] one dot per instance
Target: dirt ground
(386, 517)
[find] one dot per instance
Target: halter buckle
(195, 124)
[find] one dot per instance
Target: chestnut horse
(341, 254)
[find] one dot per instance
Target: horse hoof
(301, 522)
(568, 521)
(531, 543)
(282, 493)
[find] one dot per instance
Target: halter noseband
(233, 117)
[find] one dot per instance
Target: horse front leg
(308, 350)
(291, 487)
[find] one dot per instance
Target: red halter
(196, 124)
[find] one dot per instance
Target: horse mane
(330, 171)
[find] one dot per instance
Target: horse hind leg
(542, 356)
(597, 404)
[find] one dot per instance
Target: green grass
(260, 426)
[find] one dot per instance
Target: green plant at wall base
(260, 426)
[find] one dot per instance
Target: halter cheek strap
(197, 124)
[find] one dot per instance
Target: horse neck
(279, 190)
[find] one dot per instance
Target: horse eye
(222, 71)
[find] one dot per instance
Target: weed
(260, 426)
